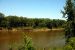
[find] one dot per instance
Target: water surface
(40, 39)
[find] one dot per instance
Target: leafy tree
(69, 13)
(13, 21)
(4, 23)
(1, 18)
(49, 25)
(30, 22)
(55, 23)
(36, 22)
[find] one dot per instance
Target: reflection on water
(40, 39)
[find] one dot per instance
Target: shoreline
(54, 29)
(34, 30)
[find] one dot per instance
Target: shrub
(27, 44)
(70, 45)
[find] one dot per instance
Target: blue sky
(33, 8)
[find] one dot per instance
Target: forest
(16, 21)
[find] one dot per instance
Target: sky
(33, 8)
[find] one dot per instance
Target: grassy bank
(33, 29)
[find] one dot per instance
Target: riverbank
(33, 29)
(46, 29)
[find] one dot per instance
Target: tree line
(16, 21)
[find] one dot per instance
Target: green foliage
(49, 25)
(15, 21)
(68, 10)
(70, 45)
(1, 18)
(27, 45)
(69, 13)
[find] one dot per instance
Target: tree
(16, 21)
(36, 22)
(1, 18)
(70, 15)
(49, 25)
(13, 21)
(69, 10)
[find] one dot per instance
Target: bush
(27, 44)
(70, 45)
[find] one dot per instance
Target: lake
(40, 39)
